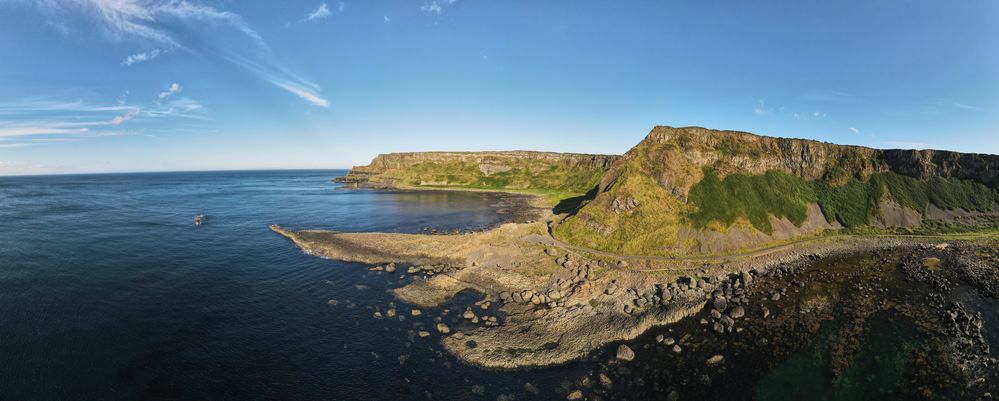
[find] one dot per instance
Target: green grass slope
(712, 180)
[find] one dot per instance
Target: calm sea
(109, 292)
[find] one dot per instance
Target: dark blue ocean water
(109, 292)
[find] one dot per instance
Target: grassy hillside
(554, 175)
(557, 178)
(683, 179)
(852, 203)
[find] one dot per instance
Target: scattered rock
(606, 382)
(714, 360)
(624, 353)
(720, 303)
(575, 395)
(443, 329)
(737, 312)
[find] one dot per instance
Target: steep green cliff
(684, 190)
(557, 175)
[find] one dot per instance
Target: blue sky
(143, 85)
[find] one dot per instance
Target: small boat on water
(199, 219)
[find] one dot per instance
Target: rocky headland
(727, 237)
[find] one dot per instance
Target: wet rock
(390, 268)
(416, 312)
(624, 353)
(719, 328)
(669, 341)
(442, 328)
(714, 360)
(677, 349)
(423, 333)
(575, 395)
(468, 315)
(765, 312)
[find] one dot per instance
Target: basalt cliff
(695, 190)
(547, 172)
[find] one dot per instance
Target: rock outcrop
(516, 170)
(670, 194)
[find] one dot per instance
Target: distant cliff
(684, 190)
(562, 173)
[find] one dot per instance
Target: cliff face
(680, 187)
(569, 173)
(925, 164)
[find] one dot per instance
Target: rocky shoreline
(549, 306)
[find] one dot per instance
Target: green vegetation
(852, 203)
(642, 231)
(754, 197)
(555, 180)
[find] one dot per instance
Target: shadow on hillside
(570, 205)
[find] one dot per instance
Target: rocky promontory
(567, 173)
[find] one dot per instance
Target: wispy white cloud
(433, 8)
(436, 8)
(141, 57)
(322, 12)
(954, 103)
(303, 92)
(8, 132)
(301, 87)
(761, 109)
(854, 130)
(168, 23)
(117, 120)
(30, 122)
(174, 88)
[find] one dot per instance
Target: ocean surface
(108, 291)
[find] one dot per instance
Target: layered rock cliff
(693, 189)
(566, 173)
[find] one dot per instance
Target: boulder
(442, 328)
(624, 353)
(720, 303)
(714, 360)
(737, 312)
